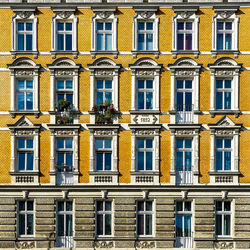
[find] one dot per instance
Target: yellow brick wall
(5, 157)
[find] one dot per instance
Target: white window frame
(225, 128)
(25, 213)
(24, 69)
(185, 69)
(145, 90)
(228, 14)
(67, 132)
(223, 90)
(103, 90)
(104, 69)
(149, 176)
(26, 14)
(144, 213)
(101, 132)
(225, 68)
(186, 14)
(64, 16)
(65, 150)
(223, 213)
(144, 14)
(146, 69)
(64, 91)
(103, 213)
(104, 15)
(24, 129)
(64, 69)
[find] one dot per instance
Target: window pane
(99, 161)
(60, 42)
(179, 161)
(29, 205)
(99, 84)
(20, 26)
(140, 225)
(219, 84)
(108, 26)
(20, 42)
(189, 26)
(68, 84)
(68, 143)
(29, 84)
(180, 39)
(21, 143)
(218, 206)
(21, 205)
(187, 226)
(187, 206)
(180, 26)
(149, 100)
(227, 161)
(220, 25)
(30, 224)
(60, 206)
(179, 206)
(179, 84)
(21, 222)
(188, 161)
(179, 101)
(219, 41)
(60, 225)
(218, 229)
(140, 205)
(68, 26)
(218, 161)
(140, 100)
(228, 26)
(108, 84)
(21, 161)
(188, 84)
(141, 25)
(29, 101)
(189, 41)
(227, 224)
(188, 143)
(149, 160)
(108, 224)
(108, 157)
(68, 42)
(69, 231)
(228, 45)
(108, 97)
(179, 226)
(69, 159)
(108, 41)
(107, 143)
(140, 161)
(227, 205)
(99, 224)
(218, 100)
(149, 38)
(149, 143)
(60, 143)
(141, 42)
(227, 143)
(149, 26)
(99, 205)
(149, 224)
(227, 84)
(60, 84)
(69, 206)
(108, 205)
(60, 159)
(100, 44)
(29, 42)
(140, 143)
(99, 98)
(29, 26)
(30, 161)
(99, 143)
(179, 143)
(148, 205)
(149, 84)
(227, 100)
(29, 143)
(219, 143)
(60, 26)
(99, 26)
(188, 100)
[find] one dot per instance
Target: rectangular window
(223, 154)
(104, 33)
(184, 155)
(64, 154)
(144, 217)
(24, 36)
(64, 90)
(223, 94)
(145, 33)
(145, 154)
(25, 98)
(184, 101)
(64, 219)
(145, 91)
(103, 91)
(25, 218)
(103, 218)
(25, 154)
(224, 35)
(103, 154)
(223, 216)
(184, 35)
(64, 35)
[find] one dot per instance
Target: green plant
(63, 104)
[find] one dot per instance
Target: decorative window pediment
(145, 86)
(24, 31)
(104, 84)
(225, 87)
(225, 31)
(224, 163)
(64, 32)
(64, 85)
(64, 154)
(185, 31)
(185, 75)
(24, 87)
(24, 152)
(104, 154)
(104, 31)
(145, 31)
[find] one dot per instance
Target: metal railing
(184, 242)
(64, 178)
(184, 113)
(64, 241)
(184, 177)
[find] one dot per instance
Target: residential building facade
(124, 124)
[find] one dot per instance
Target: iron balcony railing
(184, 113)
(184, 242)
(65, 241)
(184, 177)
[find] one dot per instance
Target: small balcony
(64, 241)
(64, 113)
(184, 242)
(184, 113)
(184, 177)
(64, 175)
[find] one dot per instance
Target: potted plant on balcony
(64, 113)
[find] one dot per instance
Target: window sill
(104, 172)
(25, 177)
(196, 112)
(224, 177)
(14, 53)
(224, 173)
(185, 52)
(145, 52)
(225, 52)
(24, 112)
(104, 177)
(104, 52)
(64, 52)
(236, 113)
(145, 177)
(148, 112)
(23, 173)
